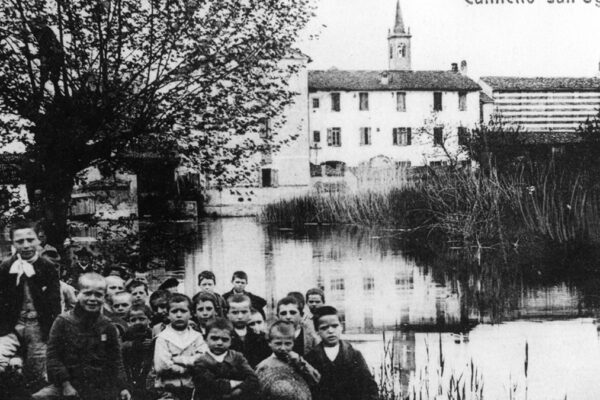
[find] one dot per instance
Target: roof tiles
(539, 84)
(343, 80)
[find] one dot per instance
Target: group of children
(207, 347)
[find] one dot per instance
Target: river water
(536, 338)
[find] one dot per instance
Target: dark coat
(255, 348)
(45, 291)
(257, 302)
(211, 378)
(346, 378)
(84, 349)
(137, 358)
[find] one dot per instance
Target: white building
(549, 110)
(395, 117)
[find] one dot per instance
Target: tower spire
(398, 24)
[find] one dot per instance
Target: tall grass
(468, 208)
(435, 381)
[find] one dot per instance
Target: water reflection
(369, 277)
(427, 305)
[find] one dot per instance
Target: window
(463, 136)
(335, 168)
(369, 284)
(335, 102)
(437, 101)
(401, 136)
(269, 177)
(401, 50)
(265, 129)
(334, 137)
(316, 136)
(363, 101)
(365, 136)
(315, 103)
(438, 136)
(400, 101)
(337, 284)
(462, 101)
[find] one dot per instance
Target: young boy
(207, 282)
(315, 298)
(344, 373)
(114, 285)
(30, 300)
(138, 348)
(160, 318)
(257, 322)
(222, 373)
(176, 349)
(92, 368)
(204, 310)
(122, 302)
(253, 346)
(139, 291)
(289, 310)
(239, 280)
(285, 374)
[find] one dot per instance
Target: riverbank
(463, 208)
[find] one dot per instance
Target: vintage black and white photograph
(299, 199)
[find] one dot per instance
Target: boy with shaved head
(84, 355)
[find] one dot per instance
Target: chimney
(463, 67)
(385, 78)
(454, 67)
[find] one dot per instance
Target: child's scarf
(20, 267)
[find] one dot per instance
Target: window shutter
(369, 136)
(362, 136)
(339, 137)
(408, 136)
(329, 139)
(274, 178)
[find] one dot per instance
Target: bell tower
(399, 44)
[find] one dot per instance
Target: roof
(540, 84)
(334, 79)
(484, 98)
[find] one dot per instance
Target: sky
(537, 39)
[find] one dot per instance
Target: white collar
(241, 332)
(217, 358)
(181, 339)
(332, 351)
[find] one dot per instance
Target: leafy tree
(496, 146)
(88, 82)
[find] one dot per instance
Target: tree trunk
(50, 202)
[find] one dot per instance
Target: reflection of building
(374, 119)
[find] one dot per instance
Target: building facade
(549, 110)
(388, 118)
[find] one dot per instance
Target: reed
(467, 208)
(434, 381)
